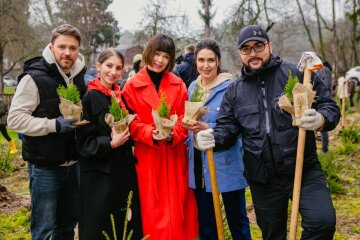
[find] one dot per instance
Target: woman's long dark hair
(210, 44)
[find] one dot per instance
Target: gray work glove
(311, 120)
(65, 125)
(205, 139)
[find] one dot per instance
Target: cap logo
(255, 33)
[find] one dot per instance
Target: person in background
(324, 75)
(138, 64)
(168, 206)
(107, 165)
(228, 164)
(186, 70)
(249, 107)
(3, 123)
(49, 139)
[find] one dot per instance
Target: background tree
(96, 24)
(16, 42)
(158, 19)
(206, 16)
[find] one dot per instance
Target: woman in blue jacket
(229, 163)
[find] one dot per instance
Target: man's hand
(311, 120)
(205, 139)
(65, 125)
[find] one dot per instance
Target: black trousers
(316, 208)
(5, 133)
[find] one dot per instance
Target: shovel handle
(297, 183)
(298, 170)
(215, 194)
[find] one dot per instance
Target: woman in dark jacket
(107, 164)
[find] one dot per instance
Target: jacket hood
(274, 61)
(75, 69)
(221, 77)
(189, 58)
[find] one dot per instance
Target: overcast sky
(129, 13)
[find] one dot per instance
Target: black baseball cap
(250, 33)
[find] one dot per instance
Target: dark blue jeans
(316, 208)
(54, 195)
(235, 209)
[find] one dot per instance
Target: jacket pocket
(249, 118)
(281, 119)
(285, 158)
(255, 170)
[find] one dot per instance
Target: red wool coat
(168, 206)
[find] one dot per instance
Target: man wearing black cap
(250, 108)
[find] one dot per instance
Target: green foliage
(15, 226)
(346, 149)
(197, 94)
(163, 109)
(5, 162)
(331, 171)
(117, 111)
(290, 84)
(70, 93)
(350, 134)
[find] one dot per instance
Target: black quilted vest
(53, 149)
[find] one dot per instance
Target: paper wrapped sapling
(162, 119)
(194, 108)
(118, 117)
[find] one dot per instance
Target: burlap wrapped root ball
(193, 112)
(164, 126)
(121, 125)
(69, 109)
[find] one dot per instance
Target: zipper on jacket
(267, 121)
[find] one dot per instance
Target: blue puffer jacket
(229, 164)
(250, 107)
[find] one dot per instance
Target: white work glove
(205, 139)
(311, 120)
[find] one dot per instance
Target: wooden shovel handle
(297, 183)
(298, 170)
(215, 194)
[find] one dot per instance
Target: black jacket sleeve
(227, 127)
(325, 105)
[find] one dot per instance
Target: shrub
(197, 94)
(290, 84)
(70, 93)
(5, 162)
(163, 108)
(117, 111)
(350, 134)
(331, 172)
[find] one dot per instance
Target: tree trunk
(207, 19)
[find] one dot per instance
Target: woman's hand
(196, 126)
(118, 139)
(157, 137)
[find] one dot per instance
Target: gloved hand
(65, 125)
(311, 120)
(205, 139)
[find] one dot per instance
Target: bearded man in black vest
(49, 139)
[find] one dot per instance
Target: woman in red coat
(168, 206)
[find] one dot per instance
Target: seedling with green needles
(163, 108)
(117, 112)
(70, 93)
(290, 86)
